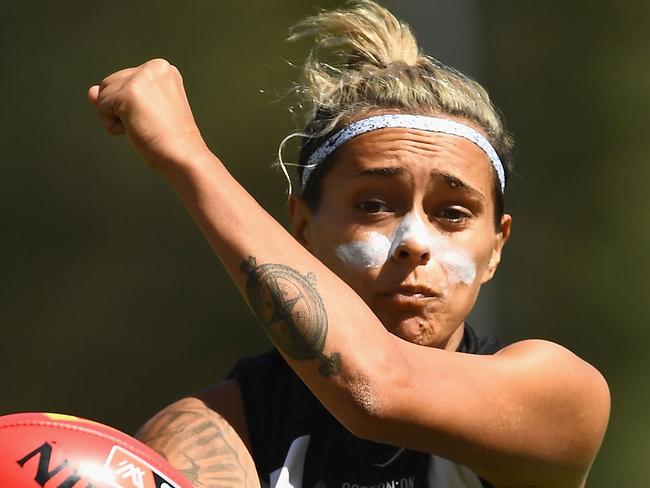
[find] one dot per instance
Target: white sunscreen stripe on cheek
(371, 253)
(458, 265)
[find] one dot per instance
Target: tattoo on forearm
(199, 444)
(291, 312)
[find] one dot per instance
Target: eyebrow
(456, 183)
(382, 171)
(451, 181)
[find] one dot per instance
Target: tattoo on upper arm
(202, 446)
(291, 312)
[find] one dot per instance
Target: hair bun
(363, 33)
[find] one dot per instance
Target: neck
(455, 338)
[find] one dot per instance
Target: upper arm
(532, 413)
(204, 437)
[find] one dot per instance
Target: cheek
(357, 263)
(484, 256)
(478, 247)
(457, 263)
(367, 254)
(352, 261)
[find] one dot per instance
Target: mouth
(412, 294)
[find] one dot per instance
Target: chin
(424, 329)
(416, 330)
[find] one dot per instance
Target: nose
(412, 251)
(411, 242)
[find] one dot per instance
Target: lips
(412, 294)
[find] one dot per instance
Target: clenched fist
(148, 103)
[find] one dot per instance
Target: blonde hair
(365, 60)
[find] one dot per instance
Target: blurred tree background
(112, 304)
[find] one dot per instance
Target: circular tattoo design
(289, 308)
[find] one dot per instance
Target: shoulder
(220, 405)
(205, 437)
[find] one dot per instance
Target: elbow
(575, 412)
(594, 415)
(371, 393)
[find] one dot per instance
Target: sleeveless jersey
(297, 443)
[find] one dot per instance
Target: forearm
(321, 325)
(318, 323)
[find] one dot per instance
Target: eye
(453, 215)
(373, 206)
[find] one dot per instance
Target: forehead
(417, 154)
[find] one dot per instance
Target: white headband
(418, 122)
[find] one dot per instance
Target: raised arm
(533, 414)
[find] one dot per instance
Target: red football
(60, 451)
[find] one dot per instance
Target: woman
(400, 221)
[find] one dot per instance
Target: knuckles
(157, 64)
(157, 69)
(133, 82)
(154, 69)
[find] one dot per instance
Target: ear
(300, 217)
(501, 238)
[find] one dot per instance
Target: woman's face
(406, 218)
